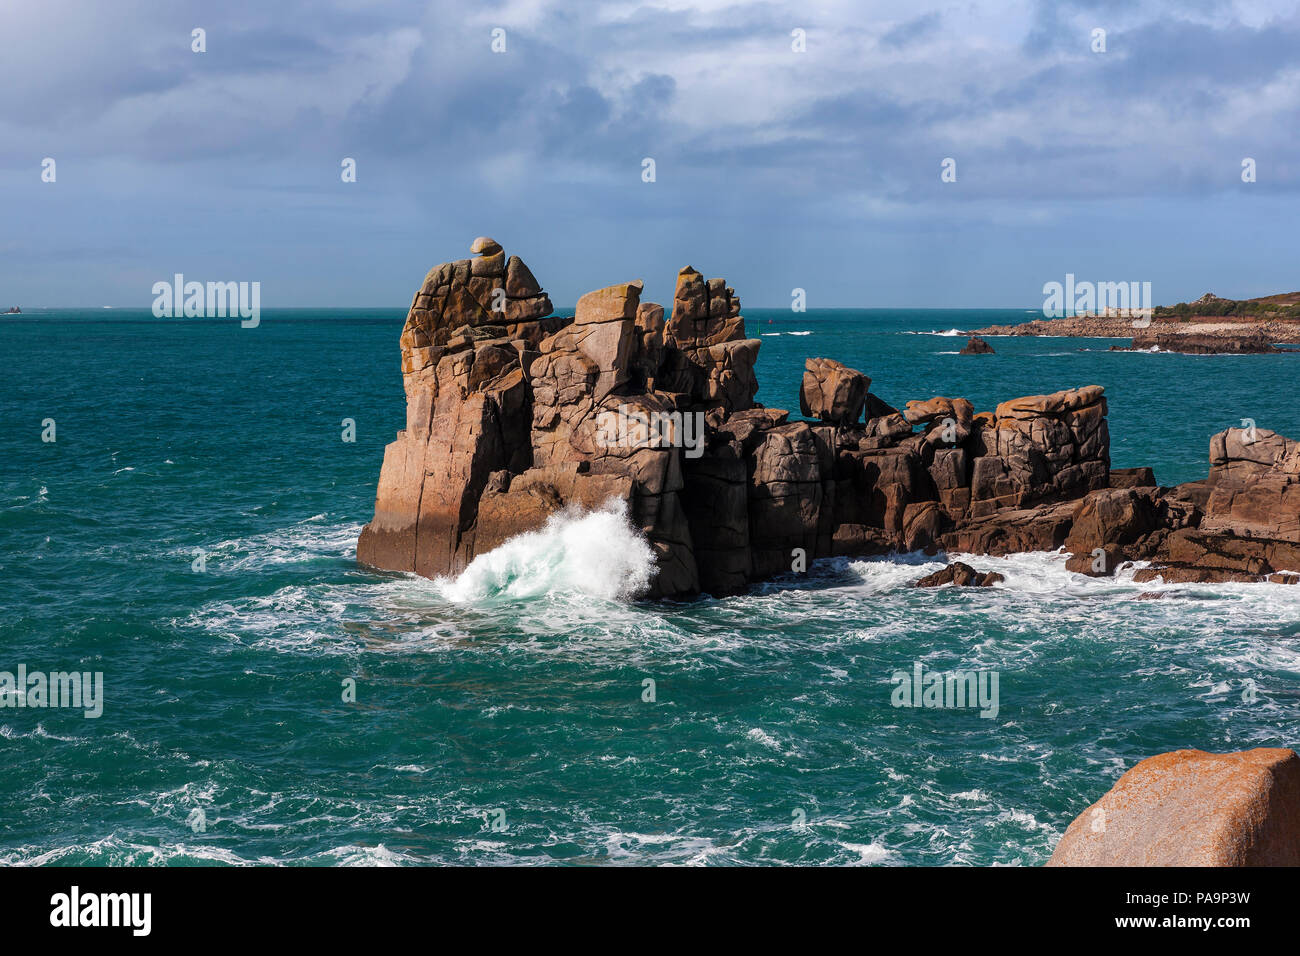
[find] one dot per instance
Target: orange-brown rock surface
(513, 414)
(961, 575)
(1191, 808)
(833, 392)
(1242, 523)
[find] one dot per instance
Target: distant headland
(1211, 324)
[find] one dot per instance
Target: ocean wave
(597, 553)
(868, 853)
(576, 576)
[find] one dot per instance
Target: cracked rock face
(513, 414)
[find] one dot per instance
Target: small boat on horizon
(14, 311)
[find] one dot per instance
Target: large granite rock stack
(513, 414)
(468, 338)
(509, 413)
(1191, 808)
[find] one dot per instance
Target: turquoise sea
(499, 718)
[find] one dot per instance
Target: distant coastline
(1271, 319)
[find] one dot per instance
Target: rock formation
(960, 574)
(1190, 808)
(1242, 523)
(833, 392)
(1247, 342)
(976, 346)
(513, 414)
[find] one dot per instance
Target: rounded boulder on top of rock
(833, 392)
(1192, 808)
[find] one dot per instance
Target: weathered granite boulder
(1041, 448)
(1240, 454)
(1191, 808)
(833, 392)
(706, 353)
(1042, 528)
(948, 421)
(1106, 524)
(788, 473)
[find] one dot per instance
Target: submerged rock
(1191, 808)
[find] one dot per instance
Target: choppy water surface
(514, 694)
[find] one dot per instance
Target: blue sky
(776, 169)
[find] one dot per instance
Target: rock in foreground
(1191, 808)
(976, 346)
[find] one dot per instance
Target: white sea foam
(313, 537)
(595, 553)
(868, 853)
(116, 851)
(761, 736)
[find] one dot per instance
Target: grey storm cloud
(598, 85)
(555, 129)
